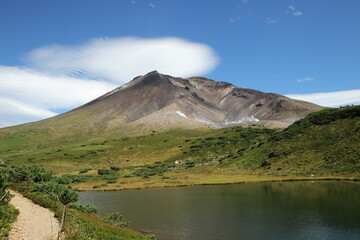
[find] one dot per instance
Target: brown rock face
(157, 98)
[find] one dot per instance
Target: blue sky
(56, 55)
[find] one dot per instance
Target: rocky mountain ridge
(194, 101)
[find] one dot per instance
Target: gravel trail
(34, 222)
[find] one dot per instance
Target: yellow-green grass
(132, 151)
(322, 144)
(192, 179)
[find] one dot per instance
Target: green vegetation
(321, 118)
(79, 220)
(85, 170)
(4, 176)
(116, 219)
(103, 172)
(8, 213)
(83, 208)
(70, 178)
(324, 144)
(32, 173)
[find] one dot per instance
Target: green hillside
(325, 143)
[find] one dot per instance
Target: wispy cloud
(294, 11)
(63, 77)
(245, 1)
(305, 79)
(133, 1)
(235, 19)
(49, 91)
(152, 5)
(297, 13)
(271, 21)
(120, 59)
(13, 112)
(330, 99)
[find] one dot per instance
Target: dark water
(250, 211)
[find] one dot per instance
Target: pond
(273, 210)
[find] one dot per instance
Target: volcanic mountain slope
(172, 102)
(160, 102)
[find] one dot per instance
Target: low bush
(4, 176)
(103, 171)
(70, 178)
(111, 181)
(115, 168)
(58, 192)
(116, 219)
(83, 208)
(85, 170)
(8, 215)
(151, 170)
(29, 173)
(64, 179)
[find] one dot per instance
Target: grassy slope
(324, 144)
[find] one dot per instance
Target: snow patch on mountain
(243, 120)
(181, 114)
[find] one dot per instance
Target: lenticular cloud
(120, 59)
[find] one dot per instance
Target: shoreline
(261, 179)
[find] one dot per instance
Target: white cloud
(63, 77)
(120, 59)
(47, 91)
(330, 99)
(305, 79)
(232, 20)
(292, 7)
(294, 11)
(152, 5)
(13, 112)
(245, 1)
(271, 21)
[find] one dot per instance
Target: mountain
(324, 144)
(159, 101)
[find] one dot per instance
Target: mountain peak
(164, 101)
(150, 74)
(153, 72)
(153, 77)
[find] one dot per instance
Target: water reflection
(279, 210)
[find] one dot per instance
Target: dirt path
(34, 222)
